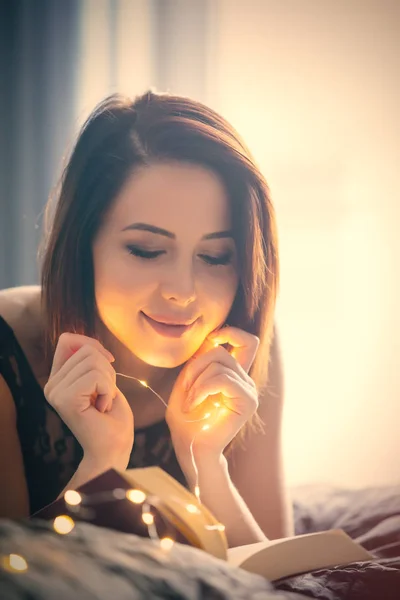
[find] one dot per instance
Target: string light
(148, 518)
(136, 496)
(217, 527)
(166, 543)
(72, 497)
(63, 524)
(191, 508)
(14, 562)
(144, 384)
(204, 428)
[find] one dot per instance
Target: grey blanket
(92, 563)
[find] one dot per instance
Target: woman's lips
(168, 330)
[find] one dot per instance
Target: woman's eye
(141, 253)
(222, 259)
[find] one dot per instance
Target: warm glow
(148, 518)
(63, 524)
(136, 496)
(218, 527)
(166, 543)
(197, 491)
(217, 404)
(205, 427)
(143, 383)
(15, 562)
(72, 497)
(339, 206)
(207, 415)
(192, 508)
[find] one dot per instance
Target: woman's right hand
(82, 389)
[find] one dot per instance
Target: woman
(160, 265)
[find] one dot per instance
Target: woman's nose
(179, 287)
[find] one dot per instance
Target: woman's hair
(121, 135)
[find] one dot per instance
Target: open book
(177, 514)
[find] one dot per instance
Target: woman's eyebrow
(168, 234)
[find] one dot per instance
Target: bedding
(370, 516)
(95, 563)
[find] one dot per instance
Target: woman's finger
(237, 395)
(86, 358)
(103, 404)
(69, 343)
(219, 356)
(92, 363)
(211, 371)
(244, 344)
(88, 389)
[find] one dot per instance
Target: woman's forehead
(173, 196)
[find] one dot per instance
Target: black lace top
(51, 453)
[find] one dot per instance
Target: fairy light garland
(64, 524)
(14, 563)
(205, 427)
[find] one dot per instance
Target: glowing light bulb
(72, 497)
(136, 496)
(166, 543)
(205, 427)
(63, 524)
(217, 404)
(143, 383)
(148, 518)
(192, 509)
(218, 527)
(15, 562)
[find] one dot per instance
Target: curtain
(38, 50)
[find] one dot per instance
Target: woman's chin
(170, 360)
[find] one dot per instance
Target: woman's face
(165, 262)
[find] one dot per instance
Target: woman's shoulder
(20, 308)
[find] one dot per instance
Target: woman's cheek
(220, 293)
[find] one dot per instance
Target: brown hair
(121, 135)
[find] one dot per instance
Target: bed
(94, 563)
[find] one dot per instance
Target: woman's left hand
(213, 397)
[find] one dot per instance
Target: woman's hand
(82, 389)
(216, 395)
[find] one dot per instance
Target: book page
(289, 556)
